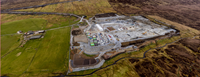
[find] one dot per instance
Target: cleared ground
(124, 68)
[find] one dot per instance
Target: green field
(23, 25)
(38, 57)
(49, 53)
(8, 43)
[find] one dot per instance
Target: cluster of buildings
(111, 34)
(32, 34)
(97, 39)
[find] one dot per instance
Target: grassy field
(51, 21)
(8, 43)
(40, 57)
(16, 62)
(49, 53)
(23, 25)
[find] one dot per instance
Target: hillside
(182, 11)
(9, 4)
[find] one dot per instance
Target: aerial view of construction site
(100, 38)
(107, 35)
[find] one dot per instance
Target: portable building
(99, 27)
(35, 37)
(92, 44)
(94, 38)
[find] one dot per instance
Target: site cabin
(30, 32)
(92, 44)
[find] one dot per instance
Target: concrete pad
(81, 38)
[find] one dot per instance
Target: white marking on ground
(18, 54)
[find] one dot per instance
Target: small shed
(35, 37)
(30, 32)
(41, 31)
(19, 32)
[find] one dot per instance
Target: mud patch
(133, 60)
(76, 32)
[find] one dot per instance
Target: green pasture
(23, 25)
(48, 53)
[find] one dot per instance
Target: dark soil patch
(76, 32)
(105, 15)
(110, 28)
(80, 61)
(187, 71)
(133, 60)
(156, 52)
(76, 44)
(146, 69)
(174, 66)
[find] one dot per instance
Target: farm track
(37, 6)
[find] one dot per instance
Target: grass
(89, 55)
(52, 21)
(49, 53)
(53, 51)
(23, 25)
(13, 65)
(76, 26)
(8, 43)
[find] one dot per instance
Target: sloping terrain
(185, 12)
(8, 4)
(173, 61)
